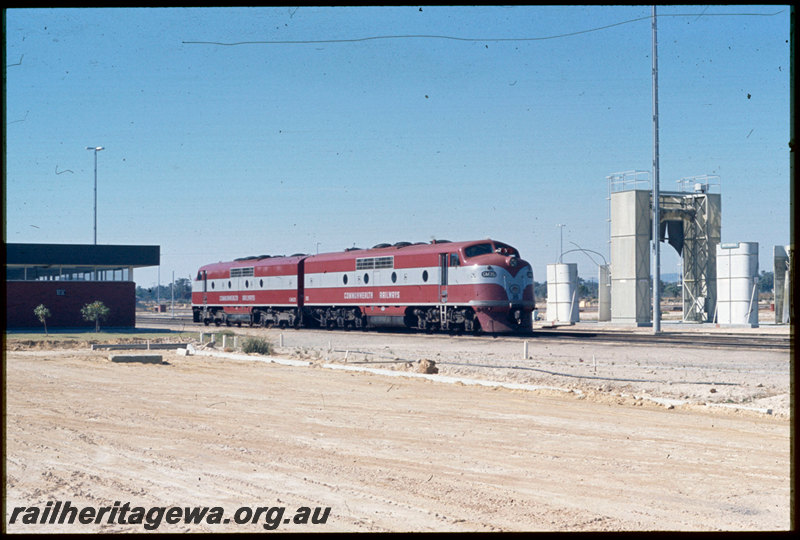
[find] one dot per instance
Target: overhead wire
(456, 38)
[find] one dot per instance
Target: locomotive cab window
(506, 250)
(477, 250)
(454, 259)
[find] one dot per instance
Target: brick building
(65, 277)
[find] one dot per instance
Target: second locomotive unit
(471, 286)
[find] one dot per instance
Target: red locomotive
(471, 286)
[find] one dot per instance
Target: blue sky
(217, 151)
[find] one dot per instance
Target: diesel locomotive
(470, 286)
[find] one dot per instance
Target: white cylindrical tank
(604, 293)
(562, 292)
(737, 284)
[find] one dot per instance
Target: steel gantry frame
(689, 219)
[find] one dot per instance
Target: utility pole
(656, 191)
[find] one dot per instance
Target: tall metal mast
(656, 192)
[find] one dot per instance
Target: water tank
(562, 292)
(737, 284)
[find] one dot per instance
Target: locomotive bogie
(335, 317)
(280, 317)
(203, 314)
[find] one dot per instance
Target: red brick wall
(65, 299)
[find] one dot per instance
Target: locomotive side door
(443, 275)
(205, 287)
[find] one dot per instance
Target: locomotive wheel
(217, 322)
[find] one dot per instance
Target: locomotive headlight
(513, 261)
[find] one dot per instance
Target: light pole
(656, 191)
(561, 246)
(95, 149)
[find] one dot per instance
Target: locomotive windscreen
(477, 249)
(504, 249)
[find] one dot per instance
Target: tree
(42, 313)
(540, 289)
(181, 289)
(670, 290)
(766, 281)
(587, 289)
(96, 312)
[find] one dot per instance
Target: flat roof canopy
(52, 259)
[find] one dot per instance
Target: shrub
(95, 312)
(256, 345)
(42, 313)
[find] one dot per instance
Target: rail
(681, 339)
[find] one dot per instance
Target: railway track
(684, 339)
(676, 339)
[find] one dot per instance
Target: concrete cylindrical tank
(562, 292)
(737, 284)
(604, 293)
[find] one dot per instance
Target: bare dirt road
(383, 453)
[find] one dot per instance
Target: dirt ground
(615, 437)
(748, 380)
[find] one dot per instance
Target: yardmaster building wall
(65, 299)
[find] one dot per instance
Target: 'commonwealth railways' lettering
(361, 295)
